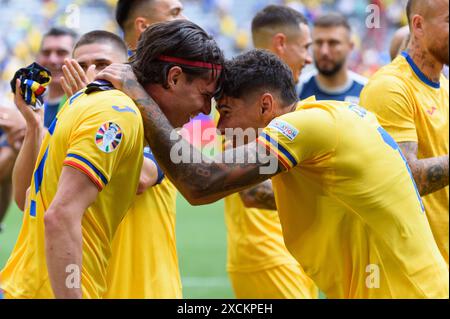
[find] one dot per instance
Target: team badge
(108, 137)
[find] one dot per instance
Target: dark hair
(333, 19)
(61, 31)
(125, 8)
(259, 70)
(100, 36)
(178, 39)
(277, 16)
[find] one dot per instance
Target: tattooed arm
(430, 174)
(260, 196)
(203, 182)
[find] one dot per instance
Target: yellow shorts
(282, 282)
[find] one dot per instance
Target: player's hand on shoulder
(122, 78)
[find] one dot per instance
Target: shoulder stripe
(283, 151)
(85, 161)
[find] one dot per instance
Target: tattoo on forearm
(260, 196)
(210, 181)
(430, 174)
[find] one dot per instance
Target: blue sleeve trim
(148, 154)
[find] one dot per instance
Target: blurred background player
(12, 132)
(321, 173)
(146, 266)
(399, 42)
(57, 45)
(258, 262)
(285, 32)
(332, 47)
(410, 96)
(135, 16)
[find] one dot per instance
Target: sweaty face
(331, 47)
(99, 54)
(436, 30)
(188, 99)
(54, 50)
(297, 54)
(242, 114)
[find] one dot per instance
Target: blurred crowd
(25, 21)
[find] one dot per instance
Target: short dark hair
(100, 36)
(178, 39)
(61, 31)
(125, 8)
(258, 70)
(333, 19)
(277, 16)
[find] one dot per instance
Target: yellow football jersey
(414, 109)
(101, 135)
(255, 244)
(144, 262)
(255, 239)
(350, 211)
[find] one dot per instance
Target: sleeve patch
(108, 137)
(284, 128)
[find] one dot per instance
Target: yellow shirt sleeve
(301, 137)
(391, 101)
(99, 143)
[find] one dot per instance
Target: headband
(196, 64)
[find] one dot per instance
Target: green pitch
(201, 238)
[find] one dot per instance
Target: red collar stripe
(196, 64)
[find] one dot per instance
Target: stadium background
(201, 233)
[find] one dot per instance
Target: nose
(221, 127)
(207, 108)
(54, 59)
(324, 49)
(308, 59)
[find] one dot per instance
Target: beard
(336, 67)
(440, 53)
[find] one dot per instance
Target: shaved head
(424, 8)
(429, 26)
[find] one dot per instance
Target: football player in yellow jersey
(410, 97)
(77, 199)
(146, 265)
(258, 263)
(172, 69)
(349, 208)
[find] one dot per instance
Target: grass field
(201, 238)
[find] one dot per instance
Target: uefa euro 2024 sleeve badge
(108, 137)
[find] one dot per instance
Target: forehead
(64, 42)
(94, 51)
(167, 4)
(331, 32)
(301, 35)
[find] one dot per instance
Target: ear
(140, 25)
(266, 104)
(173, 77)
(417, 25)
(279, 43)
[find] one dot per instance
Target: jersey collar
(419, 73)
